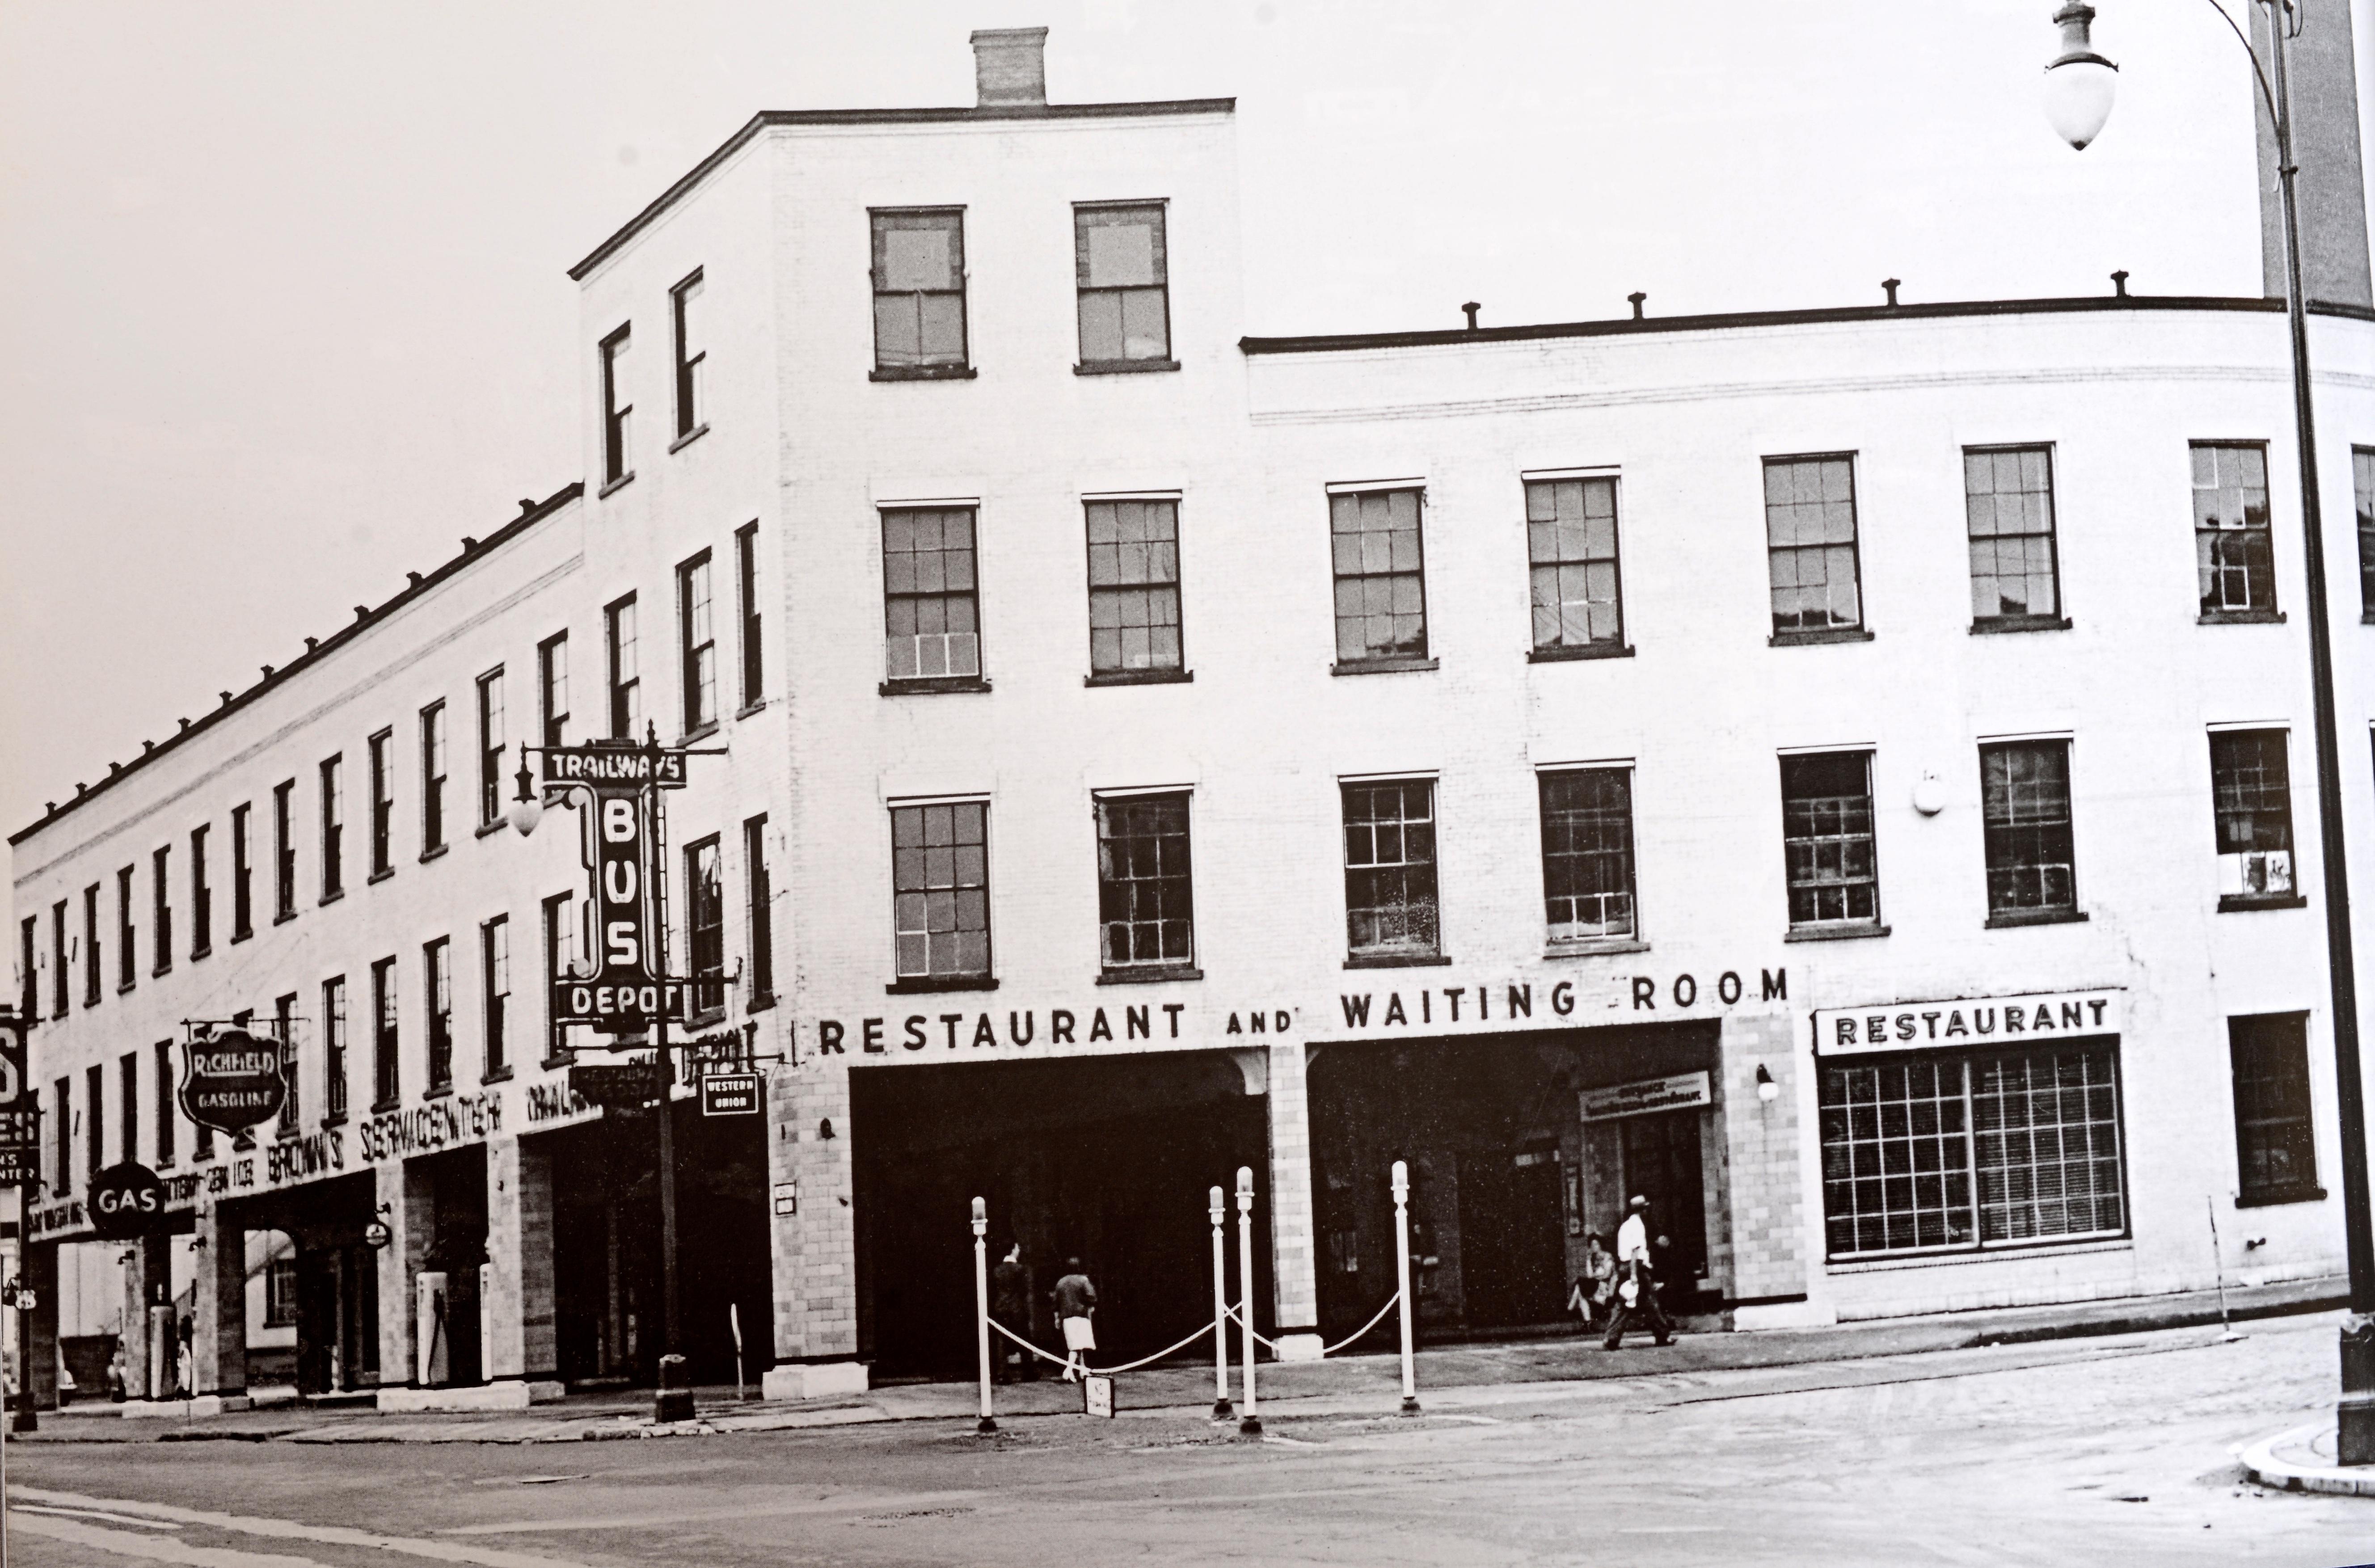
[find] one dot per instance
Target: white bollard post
(1222, 1409)
(1402, 1281)
(1251, 1426)
(988, 1424)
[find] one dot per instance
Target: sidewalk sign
(1097, 1396)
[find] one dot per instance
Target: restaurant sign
(1967, 1021)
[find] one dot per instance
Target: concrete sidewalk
(1344, 1383)
(2308, 1459)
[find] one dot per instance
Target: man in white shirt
(1636, 1279)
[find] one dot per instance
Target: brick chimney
(1010, 66)
(2334, 261)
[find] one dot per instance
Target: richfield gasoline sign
(232, 1081)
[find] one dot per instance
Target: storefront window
(1946, 1152)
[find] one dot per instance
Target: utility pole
(674, 1401)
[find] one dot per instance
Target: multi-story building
(1838, 773)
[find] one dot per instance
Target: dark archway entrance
(606, 1256)
(336, 1278)
(1505, 1175)
(1107, 1159)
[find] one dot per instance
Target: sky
(284, 303)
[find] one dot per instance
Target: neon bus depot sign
(613, 786)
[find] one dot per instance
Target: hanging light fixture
(528, 810)
(2079, 83)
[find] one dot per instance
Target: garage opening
(605, 1255)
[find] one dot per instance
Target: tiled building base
(512, 1393)
(815, 1381)
(183, 1409)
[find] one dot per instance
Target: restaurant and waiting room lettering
(1065, 1027)
(1474, 1003)
(1510, 1005)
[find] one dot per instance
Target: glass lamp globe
(2079, 83)
(2078, 97)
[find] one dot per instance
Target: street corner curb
(695, 1427)
(2279, 1462)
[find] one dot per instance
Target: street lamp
(528, 810)
(2079, 83)
(2077, 109)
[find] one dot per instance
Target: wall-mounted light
(1928, 794)
(529, 809)
(1766, 1090)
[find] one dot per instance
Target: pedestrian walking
(1595, 1288)
(1636, 1287)
(1076, 1301)
(1010, 1308)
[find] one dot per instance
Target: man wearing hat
(1636, 1288)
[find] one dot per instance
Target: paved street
(2107, 1450)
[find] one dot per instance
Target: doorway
(1108, 1160)
(1512, 1249)
(1661, 1163)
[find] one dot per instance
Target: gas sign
(232, 1081)
(126, 1202)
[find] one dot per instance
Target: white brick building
(1619, 809)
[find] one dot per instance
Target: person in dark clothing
(1010, 1308)
(1076, 1299)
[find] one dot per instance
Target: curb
(2260, 1460)
(2147, 1322)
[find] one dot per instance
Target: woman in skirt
(1076, 1301)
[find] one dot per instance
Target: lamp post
(673, 1401)
(2078, 99)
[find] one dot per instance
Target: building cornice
(276, 676)
(770, 119)
(1636, 326)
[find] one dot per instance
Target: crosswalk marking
(100, 1514)
(282, 1530)
(156, 1549)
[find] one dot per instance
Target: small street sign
(1097, 1396)
(788, 1198)
(21, 1297)
(618, 1084)
(376, 1236)
(730, 1094)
